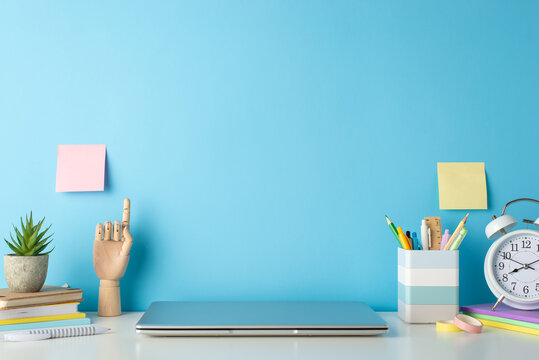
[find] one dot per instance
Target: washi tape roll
(468, 323)
(446, 325)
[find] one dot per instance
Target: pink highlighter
(445, 238)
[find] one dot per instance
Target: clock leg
(498, 303)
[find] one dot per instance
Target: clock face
(515, 265)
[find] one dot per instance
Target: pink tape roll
(468, 323)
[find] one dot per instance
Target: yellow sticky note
(462, 185)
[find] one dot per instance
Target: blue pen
(417, 243)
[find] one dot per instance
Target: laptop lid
(172, 318)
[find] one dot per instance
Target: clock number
(536, 286)
(506, 255)
(514, 247)
(504, 278)
(501, 265)
(525, 289)
(514, 285)
(526, 244)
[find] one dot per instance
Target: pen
(456, 233)
(424, 235)
(394, 231)
(410, 240)
(445, 237)
(459, 239)
(417, 243)
(43, 334)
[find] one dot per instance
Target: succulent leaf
(30, 240)
(48, 252)
(38, 225)
(43, 233)
(22, 225)
(13, 241)
(22, 240)
(42, 247)
(13, 248)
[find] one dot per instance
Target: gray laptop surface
(175, 318)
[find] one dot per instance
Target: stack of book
(53, 306)
(505, 317)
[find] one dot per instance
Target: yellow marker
(404, 239)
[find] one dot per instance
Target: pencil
(394, 231)
(456, 233)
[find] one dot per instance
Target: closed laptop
(177, 318)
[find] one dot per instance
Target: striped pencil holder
(428, 285)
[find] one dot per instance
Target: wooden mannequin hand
(111, 251)
(111, 256)
(110, 259)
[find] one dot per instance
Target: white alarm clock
(512, 262)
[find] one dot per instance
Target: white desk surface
(404, 341)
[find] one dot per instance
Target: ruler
(435, 225)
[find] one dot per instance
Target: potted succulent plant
(26, 269)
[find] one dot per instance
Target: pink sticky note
(80, 168)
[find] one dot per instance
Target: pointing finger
(128, 241)
(108, 230)
(99, 232)
(116, 230)
(127, 213)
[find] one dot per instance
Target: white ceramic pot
(25, 273)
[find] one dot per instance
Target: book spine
(502, 314)
(45, 324)
(45, 310)
(500, 325)
(42, 318)
(482, 317)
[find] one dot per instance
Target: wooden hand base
(109, 303)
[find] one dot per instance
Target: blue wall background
(262, 142)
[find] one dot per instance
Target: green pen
(459, 239)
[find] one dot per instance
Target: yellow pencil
(456, 232)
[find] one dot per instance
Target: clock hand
(517, 262)
(516, 270)
(527, 266)
(533, 263)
